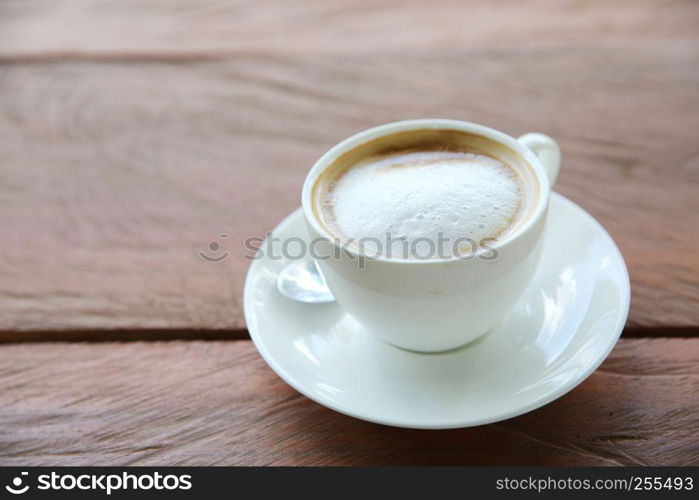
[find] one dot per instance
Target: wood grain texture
(45, 29)
(132, 136)
(201, 403)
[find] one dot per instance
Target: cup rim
(367, 135)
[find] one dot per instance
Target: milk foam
(419, 195)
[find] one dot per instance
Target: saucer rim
(625, 296)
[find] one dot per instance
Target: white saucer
(556, 336)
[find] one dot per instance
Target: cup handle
(547, 150)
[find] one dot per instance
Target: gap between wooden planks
(233, 334)
(217, 403)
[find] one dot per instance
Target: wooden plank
(123, 156)
(45, 29)
(203, 403)
(112, 182)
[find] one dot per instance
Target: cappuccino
(424, 195)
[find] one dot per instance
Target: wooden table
(133, 134)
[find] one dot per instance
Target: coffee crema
(424, 194)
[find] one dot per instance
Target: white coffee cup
(440, 304)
